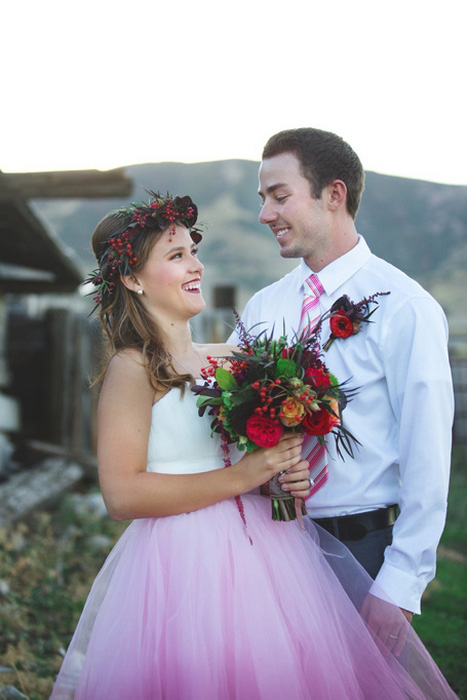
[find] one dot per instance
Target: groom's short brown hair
(323, 157)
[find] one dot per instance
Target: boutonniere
(346, 316)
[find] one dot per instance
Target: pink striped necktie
(312, 450)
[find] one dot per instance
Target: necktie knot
(313, 286)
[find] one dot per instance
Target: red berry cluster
(120, 247)
(305, 398)
(237, 367)
(169, 212)
(266, 398)
(207, 372)
(140, 219)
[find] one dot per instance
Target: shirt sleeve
(421, 395)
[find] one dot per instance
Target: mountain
(421, 227)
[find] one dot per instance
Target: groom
(310, 184)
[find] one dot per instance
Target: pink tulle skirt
(186, 608)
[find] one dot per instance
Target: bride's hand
(262, 464)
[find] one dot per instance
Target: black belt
(354, 527)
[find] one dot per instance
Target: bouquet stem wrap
(285, 507)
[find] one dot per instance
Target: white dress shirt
(402, 413)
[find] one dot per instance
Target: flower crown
(118, 256)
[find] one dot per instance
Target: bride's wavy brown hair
(124, 320)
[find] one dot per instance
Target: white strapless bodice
(180, 441)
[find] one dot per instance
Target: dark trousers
(369, 550)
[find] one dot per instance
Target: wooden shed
(45, 341)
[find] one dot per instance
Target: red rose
(263, 431)
(341, 325)
(318, 376)
(320, 422)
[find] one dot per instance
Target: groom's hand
(408, 615)
(386, 621)
(296, 480)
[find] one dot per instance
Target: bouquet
(269, 386)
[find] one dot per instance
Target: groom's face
(297, 219)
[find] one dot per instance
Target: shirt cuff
(399, 587)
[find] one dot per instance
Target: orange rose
(292, 412)
(335, 420)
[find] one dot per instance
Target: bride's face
(171, 277)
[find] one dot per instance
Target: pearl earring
(139, 291)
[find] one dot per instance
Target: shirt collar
(339, 271)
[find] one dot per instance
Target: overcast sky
(102, 84)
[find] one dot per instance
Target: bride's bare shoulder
(126, 376)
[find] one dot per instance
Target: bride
(190, 605)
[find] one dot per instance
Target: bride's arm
(129, 491)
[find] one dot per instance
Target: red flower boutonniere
(346, 316)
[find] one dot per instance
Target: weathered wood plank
(36, 488)
(89, 184)
(31, 451)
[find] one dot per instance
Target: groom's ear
(336, 194)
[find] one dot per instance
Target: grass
(444, 620)
(47, 566)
